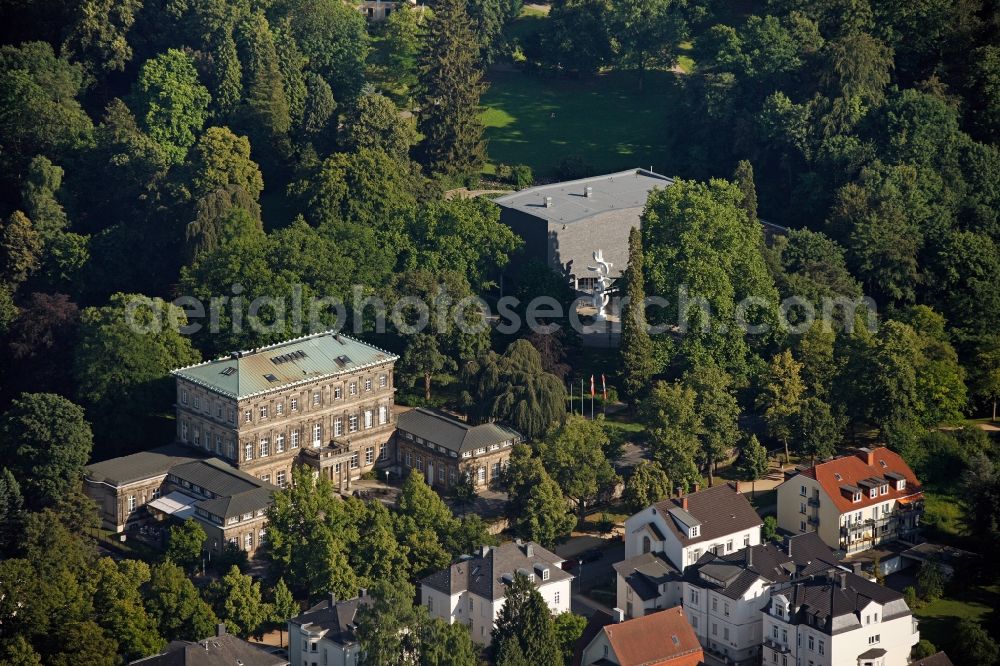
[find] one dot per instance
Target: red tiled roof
(852, 469)
(659, 639)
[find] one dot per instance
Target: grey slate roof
(937, 659)
(236, 491)
(613, 191)
(223, 650)
(334, 619)
(484, 574)
(217, 477)
(140, 466)
(720, 510)
(645, 573)
(832, 603)
(734, 573)
(285, 364)
(452, 434)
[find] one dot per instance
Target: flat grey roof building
(563, 223)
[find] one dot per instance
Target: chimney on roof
(749, 556)
(485, 550)
(220, 630)
(529, 550)
(363, 593)
(548, 202)
(333, 599)
(843, 579)
(857, 567)
(618, 615)
(588, 192)
(684, 503)
(697, 487)
(679, 491)
(867, 456)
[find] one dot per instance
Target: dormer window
(873, 492)
(884, 489)
(694, 531)
(857, 496)
(901, 484)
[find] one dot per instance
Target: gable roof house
(683, 528)
(855, 502)
(837, 618)
(473, 590)
(663, 638)
(722, 593)
(326, 632)
(223, 649)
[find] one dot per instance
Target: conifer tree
(525, 619)
(266, 106)
(228, 76)
(451, 83)
(638, 364)
(755, 463)
(743, 177)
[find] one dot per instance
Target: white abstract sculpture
(603, 270)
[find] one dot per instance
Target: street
(598, 573)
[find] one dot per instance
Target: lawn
(604, 120)
(939, 618)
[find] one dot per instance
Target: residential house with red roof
(854, 502)
(663, 638)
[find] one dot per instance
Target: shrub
(521, 176)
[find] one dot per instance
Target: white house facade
(839, 619)
(325, 635)
(472, 591)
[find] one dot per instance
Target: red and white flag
(604, 387)
(592, 386)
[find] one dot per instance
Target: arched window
(647, 545)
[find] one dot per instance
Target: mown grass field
(605, 120)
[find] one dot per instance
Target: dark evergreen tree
(450, 86)
(638, 363)
(743, 177)
(525, 620)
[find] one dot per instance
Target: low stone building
(446, 450)
(164, 484)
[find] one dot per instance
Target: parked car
(590, 555)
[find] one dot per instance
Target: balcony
(813, 520)
(813, 501)
(777, 646)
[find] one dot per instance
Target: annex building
(563, 223)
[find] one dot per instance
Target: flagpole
(583, 410)
(572, 410)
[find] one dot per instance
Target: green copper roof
(244, 374)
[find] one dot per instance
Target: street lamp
(386, 477)
(580, 577)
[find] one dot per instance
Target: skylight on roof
(882, 462)
(676, 641)
(228, 371)
(290, 356)
(271, 378)
(837, 476)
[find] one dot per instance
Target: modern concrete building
(855, 502)
(837, 619)
(663, 638)
(563, 223)
(326, 633)
(447, 450)
(323, 400)
(717, 519)
(473, 590)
